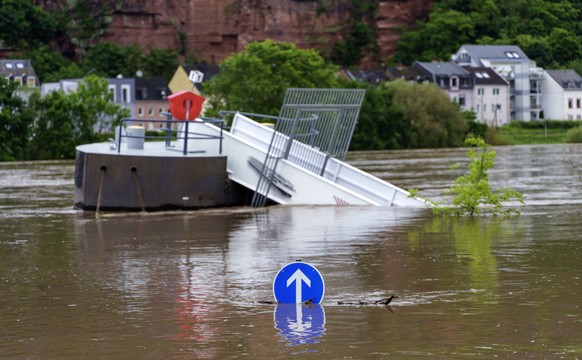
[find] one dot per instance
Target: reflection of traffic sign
(300, 324)
(298, 282)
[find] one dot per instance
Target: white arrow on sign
(298, 277)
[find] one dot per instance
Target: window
(454, 82)
(462, 101)
(484, 107)
(570, 104)
(9, 66)
(19, 65)
(31, 81)
(140, 111)
(125, 94)
(578, 103)
(480, 91)
(578, 117)
(150, 111)
(496, 91)
(477, 107)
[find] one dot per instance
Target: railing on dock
(169, 131)
(323, 119)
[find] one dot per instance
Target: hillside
(212, 29)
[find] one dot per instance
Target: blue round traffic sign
(298, 282)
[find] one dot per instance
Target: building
(19, 71)
(490, 97)
(562, 95)
(522, 74)
(181, 79)
(151, 100)
(451, 78)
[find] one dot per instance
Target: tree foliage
(65, 120)
(51, 66)
(24, 25)
(435, 120)
(548, 31)
(15, 118)
(472, 192)
(255, 80)
(382, 124)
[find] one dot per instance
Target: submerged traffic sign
(298, 282)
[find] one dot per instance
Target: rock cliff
(213, 29)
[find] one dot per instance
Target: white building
(512, 63)
(490, 96)
(562, 95)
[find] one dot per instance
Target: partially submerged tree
(472, 192)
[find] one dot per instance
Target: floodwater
(188, 285)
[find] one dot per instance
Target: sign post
(298, 282)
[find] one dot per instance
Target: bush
(574, 135)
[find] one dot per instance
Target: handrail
(171, 133)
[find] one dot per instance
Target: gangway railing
(324, 119)
(174, 130)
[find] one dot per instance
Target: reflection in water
(299, 324)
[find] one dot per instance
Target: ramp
(298, 178)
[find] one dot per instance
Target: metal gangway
(322, 119)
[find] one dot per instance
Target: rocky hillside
(213, 29)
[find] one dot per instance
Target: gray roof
(16, 67)
(499, 52)
(443, 68)
(151, 88)
(486, 76)
(567, 79)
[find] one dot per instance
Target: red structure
(185, 105)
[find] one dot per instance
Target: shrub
(574, 135)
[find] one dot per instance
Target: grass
(514, 135)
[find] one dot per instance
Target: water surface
(187, 285)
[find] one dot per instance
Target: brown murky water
(186, 285)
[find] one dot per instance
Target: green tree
(575, 65)
(565, 44)
(437, 38)
(24, 25)
(160, 62)
(382, 124)
(15, 119)
(548, 31)
(67, 120)
(256, 79)
(434, 119)
(472, 192)
(51, 66)
(87, 22)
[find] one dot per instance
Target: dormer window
(512, 55)
(9, 66)
(20, 65)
